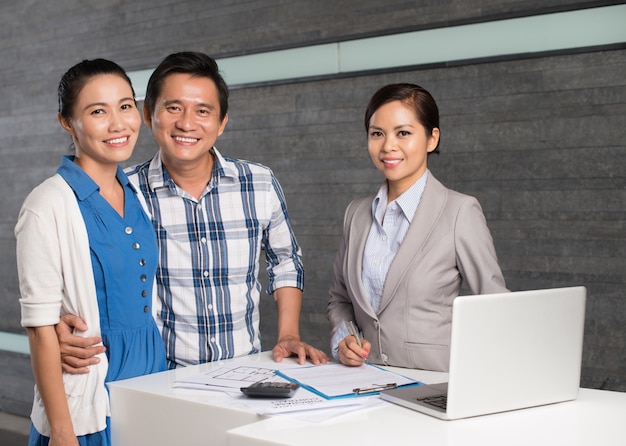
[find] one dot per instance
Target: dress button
(203, 239)
(384, 357)
(205, 274)
(135, 245)
(143, 278)
(210, 306)
(128, 230)
(146, 309)
(142, 262)
(376, 325)
(144, 293)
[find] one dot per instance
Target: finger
(352, 345)
(277, 353)
(366, 347)
(74, 321)
(74, 371)
(68, 351)
(78, 363)
(71, 344)
(350, 359)
(347, 356)
(314, 357)
(77, 366)
(317, 356)
(301, 352)
(362, 351)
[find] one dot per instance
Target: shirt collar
(158, 176)
(81, 183)
(407, 202)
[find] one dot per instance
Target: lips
(120, 140)
(390, 162)
(185, 139)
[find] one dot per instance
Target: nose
(389, 144)
(118, 123)
(185, 120)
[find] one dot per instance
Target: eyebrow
(105, 104)
(178, 101)
(398, 127)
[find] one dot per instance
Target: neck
(398, 187)
(104, 175)
(192, 177)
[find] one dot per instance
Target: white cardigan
(56, 278)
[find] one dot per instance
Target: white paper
(304, 404)
(230, 378)
(335, 380)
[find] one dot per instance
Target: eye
(404, 133)
(127, 106)
(376, 134)
(97, 111)
(173, 108)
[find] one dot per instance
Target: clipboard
(336, 380)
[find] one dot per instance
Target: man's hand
(77, 353)
(294, 347)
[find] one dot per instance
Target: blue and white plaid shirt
(209, 249)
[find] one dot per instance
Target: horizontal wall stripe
(537, 34)
(12, 342)
(561, 31)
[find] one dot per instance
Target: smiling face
(104, 122)
(399, 145)
(186, 119)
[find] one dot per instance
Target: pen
(354, 332)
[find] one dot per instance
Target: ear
(433, 140)
(223, 125)
(66, 124)
(147, 117)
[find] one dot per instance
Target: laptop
(508, 351)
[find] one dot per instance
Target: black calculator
(268, 389)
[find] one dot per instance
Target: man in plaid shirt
(213, 215)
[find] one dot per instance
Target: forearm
(288, 304)
(46, 363)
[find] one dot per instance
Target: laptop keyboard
(439, 401)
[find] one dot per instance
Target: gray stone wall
(541, 141)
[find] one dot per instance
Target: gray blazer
(447, 242)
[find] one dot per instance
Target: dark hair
(414, 96)
(188, 62)
(75, 79)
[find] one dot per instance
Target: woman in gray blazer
(405, 251)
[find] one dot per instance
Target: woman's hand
(351, 354)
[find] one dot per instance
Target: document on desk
(339, 381)
(228, 378)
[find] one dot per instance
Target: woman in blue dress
(86, 247)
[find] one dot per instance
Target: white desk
(148, 411)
